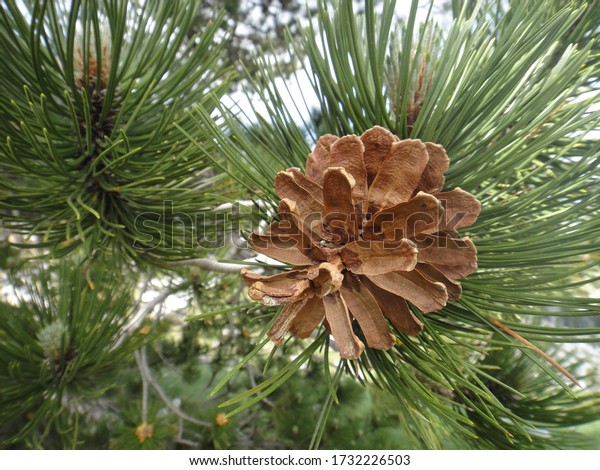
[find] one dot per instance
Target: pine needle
(537, 350)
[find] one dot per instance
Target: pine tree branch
(250, 369)
(508, 145)
(142, 361)
(139, 316)
(209, 265)
(144, 398)
(187, 442)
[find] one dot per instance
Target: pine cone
(366, 229)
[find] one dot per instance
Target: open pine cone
(366, 229)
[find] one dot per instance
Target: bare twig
(144, 394)
(250, 369)
(209, 265)
(139, 317)
(142, 361)
(143, 289)
(187, 442)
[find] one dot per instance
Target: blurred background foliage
(105, 344)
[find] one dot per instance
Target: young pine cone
(366, 229)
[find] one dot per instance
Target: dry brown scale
(367, 229)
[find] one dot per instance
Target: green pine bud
(53, 340)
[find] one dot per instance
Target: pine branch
(209, 265)
(142, 362)
(91, 103)
(515, 122)
(58, 347)
(141, 313)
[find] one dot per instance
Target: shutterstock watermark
(232, 224)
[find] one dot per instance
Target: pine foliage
(60, 348)
(513, 107)
(91, 95)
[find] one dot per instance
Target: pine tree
(131, 195)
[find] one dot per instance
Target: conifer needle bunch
(90, 93)
(60, 349)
